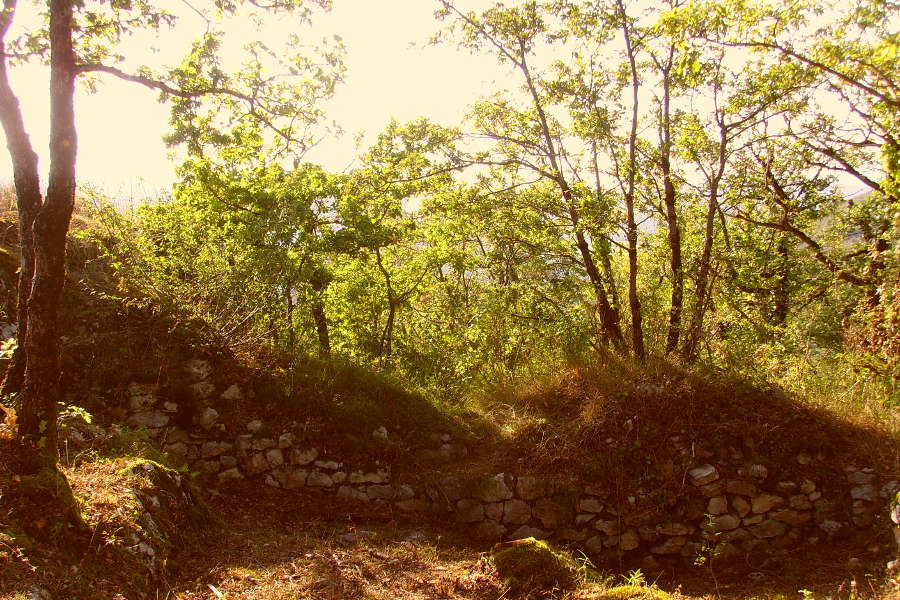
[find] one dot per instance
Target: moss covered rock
(166, 508)
(533, 565)
(623, 592)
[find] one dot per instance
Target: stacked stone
(728, 509)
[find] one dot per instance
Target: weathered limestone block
(275, 457)
(303, 457)
(532, 488)
(208, 417)
(494, 489)
(800, 502)
(741, 506)
(717, 505)
(233, 392)
(263, 444)
(381, 492)
(516, 512)
(670, 545)
(450, 488)
(769, 529)
(551, 513)
(863, 492)
(629, 540)
(317, 479)
(151, 419)
(494, 511)
(740, 487)
(491, 531)
(721, 523)
(590, 504)
(202, 389)
(231, 474)
(257, 464)
(198, 369)
(758, 471)
(417, 505)
(766, 502)
(469, 511)
(703, 475)
(213, 449)
(607, 527)
(329, 465)
(675, 529)
(791, 517)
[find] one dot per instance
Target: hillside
(326, 479)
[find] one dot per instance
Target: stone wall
(728, 508)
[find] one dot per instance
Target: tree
(81, 39)
(530, 139)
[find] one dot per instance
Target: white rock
(202, 389)
(233, 392)
(254, 425)
(231, 474)
(863, 492)
(150, 419)
(317, 479)
(275, 457)
(198, 369)
(703, 474)
(304, 457)
(328, 464)
(208, 417)
(766, 502)
(759, 471)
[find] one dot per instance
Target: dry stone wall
(728, 508)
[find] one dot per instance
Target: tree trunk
(28, 198)
(318, 313)
(384, 344)
(40, 392)
(698, 310)
(608, 316)
(637, 330)
(674, 233)
(388, 334)
(289, 315)
(781, 290)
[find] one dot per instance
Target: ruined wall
(730, 507)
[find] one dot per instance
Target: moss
(17, 538)
(50, 488)
(175, 485)
(625, 592)
(531, 564)
(9, 262)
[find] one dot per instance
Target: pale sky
(391, 72)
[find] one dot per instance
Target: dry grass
(270, 545)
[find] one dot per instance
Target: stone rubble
(747, 507)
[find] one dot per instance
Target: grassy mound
(533, 566)
(627, 426)
(137, 515)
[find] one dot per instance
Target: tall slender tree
(74, 49)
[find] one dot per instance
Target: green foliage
(462, 282)
(8, 348)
